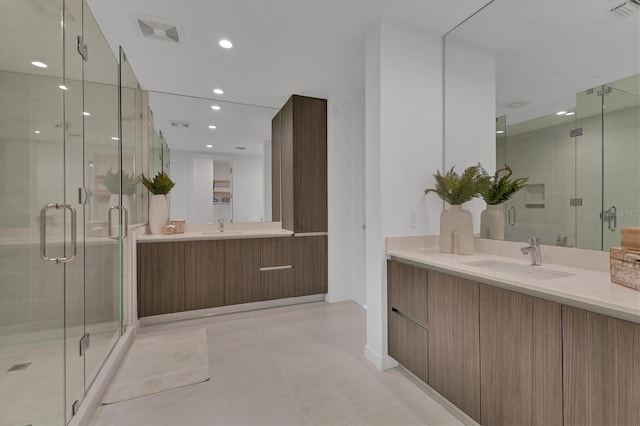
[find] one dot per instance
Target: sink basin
(523, 271)
(221, 233)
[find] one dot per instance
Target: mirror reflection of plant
(497, 189)
(457, 189)
(111, 181)
(160, 184)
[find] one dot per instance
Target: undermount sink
(517, 270)
(221, 232)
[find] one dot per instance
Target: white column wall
(403, 149)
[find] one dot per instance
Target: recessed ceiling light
(91, 164)
(86, 113)
(63, 87)
(215, 107)
(570, 113)
(115, 138)
(240, 147)
(218, 91)
(226, 44)
(499, 132)
(212, 127)
(561, 112)
(209, 146)
(39, 64)
(37, 132)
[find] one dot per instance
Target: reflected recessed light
(215, 107)
(240, 147)
(212, 127)
(218, 91)
(499, 132)
(570, 113)
(39, 64)
(91, 164)
(209, 146)
(561, 112)
(226, 44)
(37, 132)
(114, 138)
(63, 87)
(85, 113)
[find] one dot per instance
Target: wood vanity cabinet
(521, 358)
(160, 269)
(310, 265)
(241, 271)
(276, 268)
(302, 141)
(204, 274)
(407, 317)
(454, 340)
(601, 369)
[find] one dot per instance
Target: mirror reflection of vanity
(567, 102)
(220, 158)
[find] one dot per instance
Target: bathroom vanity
(511, 343)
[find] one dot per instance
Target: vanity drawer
(276, 252)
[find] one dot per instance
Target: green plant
(457, 189)
(497, 189)
(161, 183)
(111, 181)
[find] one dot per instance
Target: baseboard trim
(381, 363)
(96, 392)
(231, 309)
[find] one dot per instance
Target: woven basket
(625, 267)
(630, 238)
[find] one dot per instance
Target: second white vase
(456, 231)
(492, 222)
(158, 213)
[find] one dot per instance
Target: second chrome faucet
(533, 249)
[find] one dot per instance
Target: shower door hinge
(83, 196)
(83, 49)
(576, 132)
(84, 344)
(75, 407)
(575, 202)
(604, 91)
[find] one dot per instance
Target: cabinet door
(160, 278)
(521, 359)
(276, 155)
(204, 274)
(241, 271)
(407, 289)
(408, 344)
(601, 369)
(454, 341)
(310, 265)
(276, 268)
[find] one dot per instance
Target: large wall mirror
(218, 154)
(565, 112)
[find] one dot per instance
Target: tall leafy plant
(111, 181)
(500, 187)
(456, 189)
(161, 184)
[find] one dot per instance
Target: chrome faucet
(221, 223)
(533, 249)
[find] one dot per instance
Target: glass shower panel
(621, 157)
(31, 176)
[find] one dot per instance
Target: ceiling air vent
(627, 8)
(181, 124)
(158, 30)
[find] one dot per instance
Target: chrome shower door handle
(126, 222)
(43, 233)
(614, 217)
(511, 222)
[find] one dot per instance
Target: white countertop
(215, 235)
(584, 289)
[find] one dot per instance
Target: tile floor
(294, 365)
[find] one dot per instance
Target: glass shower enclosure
(64, 209)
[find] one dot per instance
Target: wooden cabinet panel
(160, 269)
(408, 344)
(310, 265)
(521, 359)
(204, 274)
(454, 341)
(276, 251)
(407, 289)
(601, 369)
(276, 153)
(276, 284)
(286, 166)
(241, 271)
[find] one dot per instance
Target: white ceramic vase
(158, 213)
(456, 231)
(492, 222)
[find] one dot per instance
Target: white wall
(201, 205)
(403, 149)
(248, 188)
(470, 108)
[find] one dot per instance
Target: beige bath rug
(159, 363)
